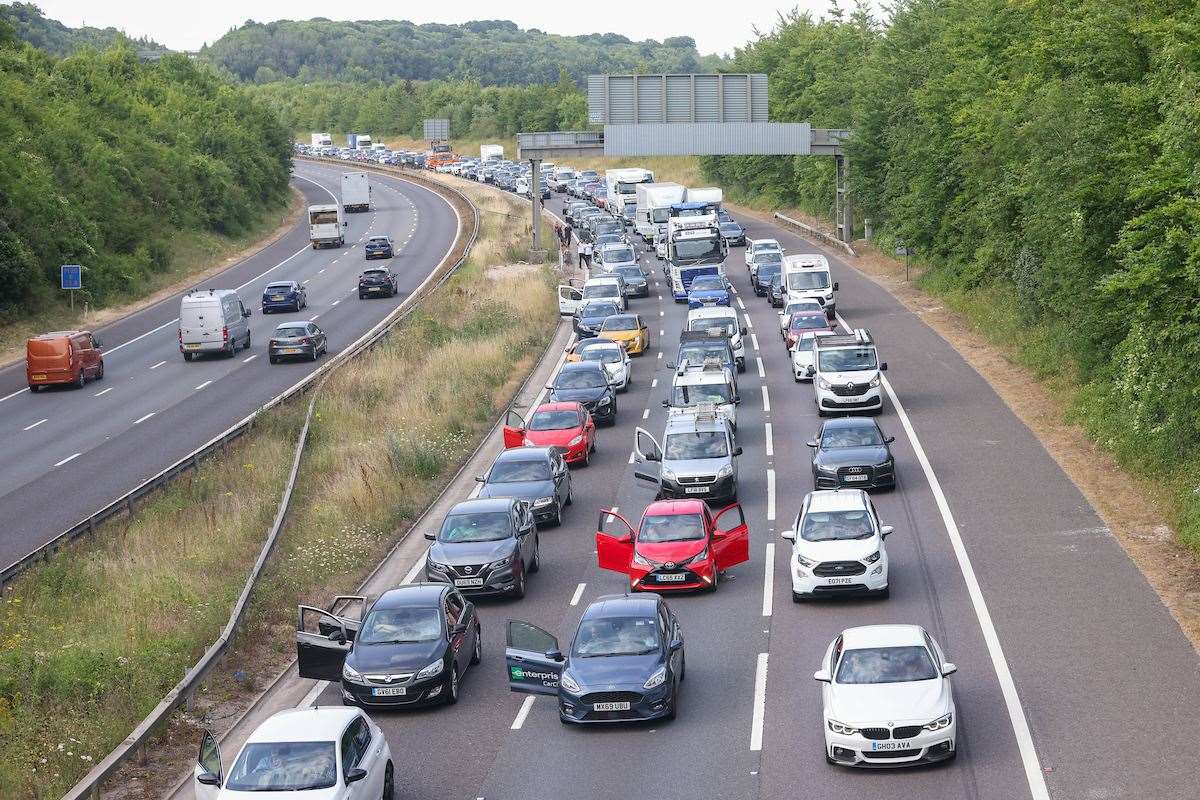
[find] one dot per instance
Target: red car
(680, 545)
(803, 322)
(567, 425)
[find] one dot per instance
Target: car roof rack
(699, 336)
(860, 336)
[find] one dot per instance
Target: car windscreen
(695, 444)
(280, 287)
(631, 273)
(283, 767)
(620, 322)
(726, 326)
(808, 322)
(698, 351)
(616, 636)
(601, 290)
(697, 249)
(731, 228)
(858, 436)
(836, 526)
(671, 528)
(805, 344)
(291, 332)
(768, 271)
(580, 379)
(594, 310)
(659, 216)
(322, 217)
(374, 273)
(849, 359)
(378, 240)
(604, 355)
(886, 665)
(480, 526)
(814, 279)
(707, 283)
(516, 471)
(554, 420)
(718, 393)
(617, 255)
(401, 625)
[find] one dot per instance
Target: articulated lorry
(326, 228)
(654, 201)
(621, 187)
(356, 191)
(695, 247)
(710, 196)
(322, 140)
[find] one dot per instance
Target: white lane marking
(749, 322)
(248, 359)
(660, 353)
(654, 383)
(304, 283)
(159, 364)
(662, 313)
(661, 332)
(526, 704)
(754, 340)
(103, 391)
(334, 261)
(201, 386)
(578, 594)
(335, 302)
(741, 305)
(416, 569)
(319, 272)
(770, 495)
(762, 373)
(34, 425)
(770, 441)
(645, 414)
(14, 394)
(769, 579)
(68, 458)
(760, 703)
(313, 318)
(766, 399)
(140, 420)
(631, 457)
(1008, 688)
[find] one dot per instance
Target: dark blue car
(284, 296)
(708, 290)
(625, 663)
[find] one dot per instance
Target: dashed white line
(646, 413)
(741, 305)
(766, 399)
(754, 341)
(34, 425)
(661, 332)
(662, 313)
(140, 420)
(68, 458)
(654, 383)
(760, 703)
(660, 354)
(770, 495)
(769, 579)
(313, 318)
(320, 271)
(335, 302)
(762, 373)
(14, 394)
(159, 364)
(749, 322)
(103, 391)
(416, 569)
(249, 359)
(201, 386)
(522, 713)
(578, 594)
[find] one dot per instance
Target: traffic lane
(484, 714)
(39, 510)
(12, 377)
(1031, 534)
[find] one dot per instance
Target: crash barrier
(135, 743)
(814, 233)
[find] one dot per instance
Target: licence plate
(610, 706)
(374, 288)
(291, 350)
(276, 297)
(191, 347)
(854, 478)
(38, 377)
(838, 581)
(389, 691)
(695, 490)
(468, 581)
(888, 745)
(671, 577)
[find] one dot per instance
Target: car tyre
(452, 686)
(477, 654)
(34, 388)
(247, 347)
(81, 379)
(884, 593)
(797, 597)
(273, 359)
(829, 758)
(187, 356)
(389, 783)
(535, 563)
(100, 372)
(520, 590)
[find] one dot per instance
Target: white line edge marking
(140, 420)
(754, 340)
(645, 413)
(768, 579)
(522, 713)
(578, 594)
(103, 391)
(770, 441)
(14, 394)
(68, 458)
(762, 372)
(159, 364)
(760, 703)
(201, 386)
(770, 495)
(34, 425)
(766, 399)
(1008, 688)
(248, 359)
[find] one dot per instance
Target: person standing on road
(585, 254)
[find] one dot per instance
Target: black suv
(852, 452)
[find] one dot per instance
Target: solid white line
(34, 425)
(645, 414)
(760, 703)
(522, 713)
(201, 386)
(68, 458)
(313, 694)
(762, 373)
(766, 399)
(249, 359)
(1008, 688)
(159, 364)
(578, 594)
(140, 420)
(754, 340)
(769, 579)
(770, 441)
(103, 391)
(416, 569)
(770, 495)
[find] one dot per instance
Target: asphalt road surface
(1073, 680)
(69, 452)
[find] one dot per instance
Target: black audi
(485, 546)
(586, 382)
(625, 663)
(852, 452)
(538, 475)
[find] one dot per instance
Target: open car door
(569, 300)
(514, 430)
(648, 455)
(731, 537)
(614, 542)
(533, 659)
(207, 775)
(324, 638)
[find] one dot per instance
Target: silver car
(697, 458)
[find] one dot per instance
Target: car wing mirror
(949, 669)
(676, 644)
(209, 779)
(670, 365)
(430, 536)
(810, 370)
(737, 399)
(823, 676)
(554, 654)
(883, 367)
(889, 439)
(788, 534)
(886, 530)
(666, 403)
(481, 479)
(835, 286)
(355, 774)
(811, 443)
(737, 451)
(743, 330)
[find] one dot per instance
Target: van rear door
(44, 357)
(200, 324)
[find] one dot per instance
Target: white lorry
(711, 196)
(491, 152)
(356, 191)
(362, 142)
(322, 140)
(654, 201)
(621, 187)
(326, 226)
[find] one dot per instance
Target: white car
(613, 358)
(886, 698)
(756, 247)
(330, 753)
(785, 315)
(804, 354)
(724, 319)
(837, 546)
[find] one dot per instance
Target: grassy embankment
(90, 642)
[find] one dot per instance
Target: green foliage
(494, 52)
(105, 158)
(28, 25)
(474, 111)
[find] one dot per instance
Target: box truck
(654, 201)
(491, 152)
(356, 191)
(621, 187)
(711, 196)
(326, 226)
(322, 140)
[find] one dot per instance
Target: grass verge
(90, 642)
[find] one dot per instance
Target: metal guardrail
(810, 231)
(134, 744)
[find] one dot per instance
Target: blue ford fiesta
(284, 296)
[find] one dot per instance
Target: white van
(212, 321)
(806, 276)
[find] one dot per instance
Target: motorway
(69, 452)
(1073, 679)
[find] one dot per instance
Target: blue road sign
(72, 276)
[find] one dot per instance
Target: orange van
(63, 357)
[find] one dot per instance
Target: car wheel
(34, 388)
(314, 355)
(477, 653)
(273, 359)
(520, 590)
(452, 686)
(187, 356)
(100, 372)
(389, 783)
(797, 597)
(81, 379)
(884, 593)
(570, 496)
(682, 667)
(362, 296)
(716, 579)
(587, 457)
(829, 758)
(247, 340)
(536, 563)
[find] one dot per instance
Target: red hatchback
(680, 545)
(566, 425)
(803, 322)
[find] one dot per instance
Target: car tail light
(225, 333)
(305, 340)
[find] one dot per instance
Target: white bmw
(886, 698)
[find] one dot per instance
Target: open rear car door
(569, 300)
(533, 659)
(324, 637)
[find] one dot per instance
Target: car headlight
(504, 562)
(568, 683)
(838, 727)
(827, 469)
(577, 440)
(349, 673)
(667, 474)
(725, 471)
(829, 296)
(605, 401)
(939, 723)
(435, 565)
(804, 562)
(701, 556)
(542, 502)
(871, 559)
(824, 384)
(874, 382)
(433, 669)
(641, 560)
(657, 679)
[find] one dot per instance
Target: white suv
(847, 373)
(837, 546)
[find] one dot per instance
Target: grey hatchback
(485, 546)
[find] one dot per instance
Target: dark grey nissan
(853, 452)
(485, 546)
(536, 474)
(625, 663)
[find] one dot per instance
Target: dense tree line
(492, 52)
(1044, 151)
(474, 111)
(52, 36)
(106, 158)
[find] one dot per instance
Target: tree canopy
(52, 36)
